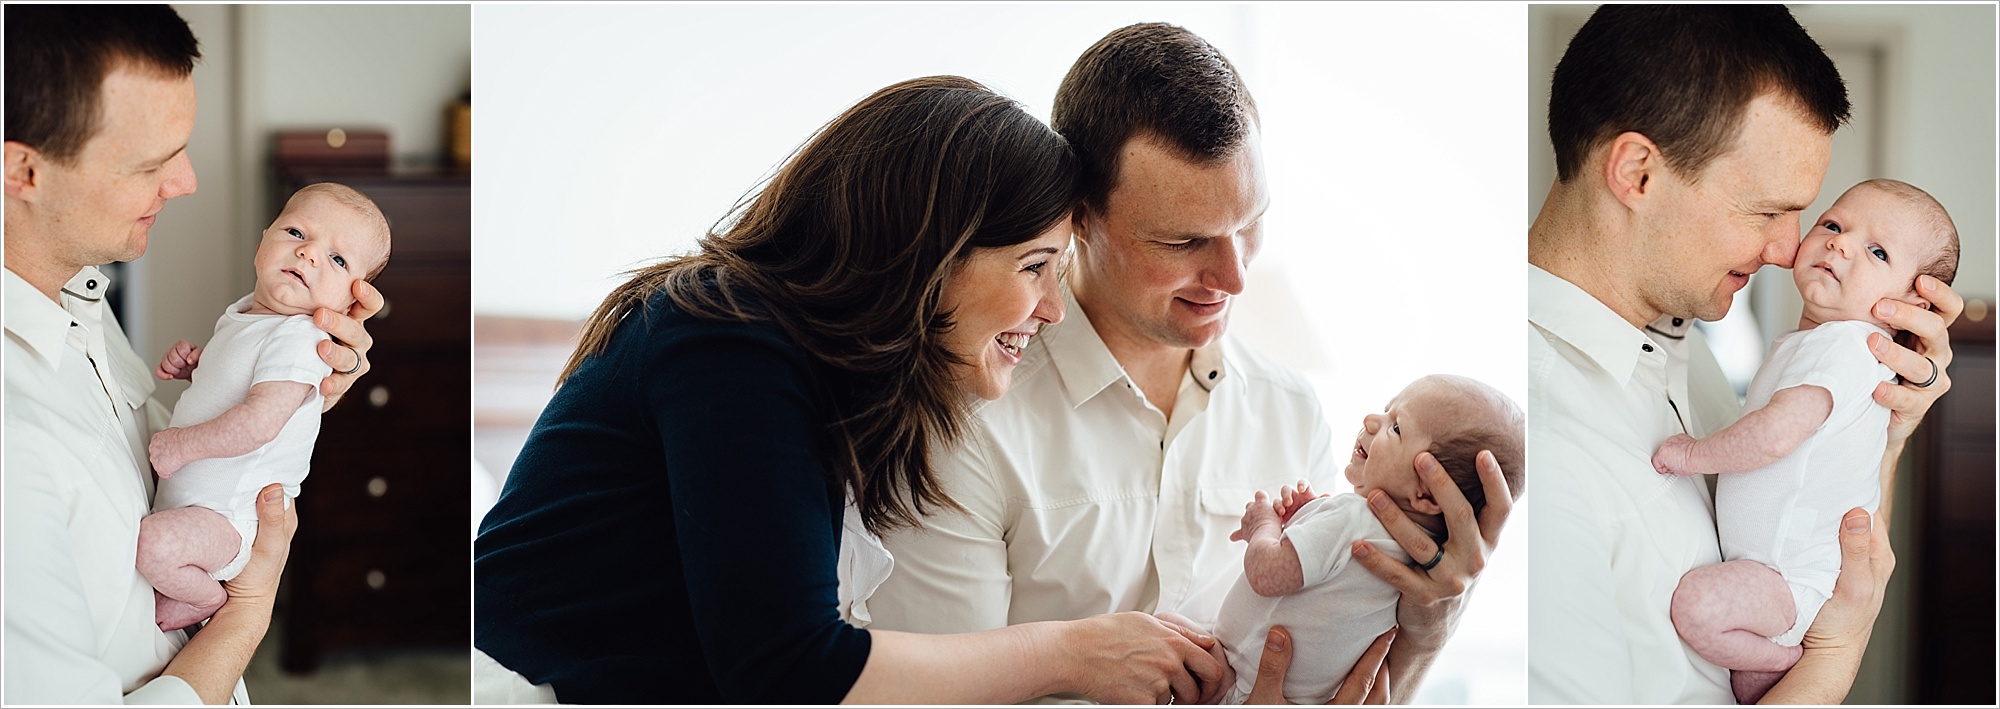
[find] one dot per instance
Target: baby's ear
(1912, 298)
(1424, 502)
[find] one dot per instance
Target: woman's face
(998, 297)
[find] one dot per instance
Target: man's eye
(339, 261)
(1879, 253)
(296, 234)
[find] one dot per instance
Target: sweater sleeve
(756, 518)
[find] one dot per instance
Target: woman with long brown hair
(672, 529)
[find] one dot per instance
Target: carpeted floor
(359, 676)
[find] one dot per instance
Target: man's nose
(180, 177)
(1781, 245)
(1224, 272)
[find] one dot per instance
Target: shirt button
(1647, 348)
(1211, 375)
(1678, 321)
(90, 284)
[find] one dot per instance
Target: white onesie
(1332, 619)
(1786, 515)
(247, 350)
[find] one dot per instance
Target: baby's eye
(1832, 226)
(1877, 252)
(1396, 428)
(340, 261)
(296, 234)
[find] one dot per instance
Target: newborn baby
(252, 413)
(1298, 571)
(1810, 446)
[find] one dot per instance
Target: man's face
(1705, 238)
(1158, 266)
(101, 206)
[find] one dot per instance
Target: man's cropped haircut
(1151, 79)
(1683, 76)
(58, 56)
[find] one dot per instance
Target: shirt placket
(1177, 527)
(88, 331)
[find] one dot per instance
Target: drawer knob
(378, 396)
(336, 138)
(377, 486)
(377, 579)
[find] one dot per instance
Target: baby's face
(1385, 453)
(1866, 247)
(312, 254)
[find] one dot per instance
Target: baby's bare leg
(178, 549)
(1729, 612)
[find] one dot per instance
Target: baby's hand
(165, 451)
(1261, 512)
(179, 362)
(1290, 499)
(1672, 457)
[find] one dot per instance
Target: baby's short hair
(1931, 218)
(1483, 420)
(353, 199)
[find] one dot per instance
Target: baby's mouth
(295, 274)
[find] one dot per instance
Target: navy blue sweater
(669, 534)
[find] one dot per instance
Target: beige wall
(271, 67)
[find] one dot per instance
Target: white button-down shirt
(1083, 498)
(79, 413)
(1611, 537)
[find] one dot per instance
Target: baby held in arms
(1809, 447)
(1299, 572)
(251, 414)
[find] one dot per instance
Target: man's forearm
(1423, 635)
(215, 658)
(1822, 676)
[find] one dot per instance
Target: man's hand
(277, 520)
(1367, 683)
(1211, 692)
(1433, 598)
(347, 353)
(1838, 636)
(179, 362)
(1908, 402)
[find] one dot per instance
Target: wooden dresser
(382, 557)
(1954, 637)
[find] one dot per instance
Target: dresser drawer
(424, 305)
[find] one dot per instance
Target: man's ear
(21, 165)
(1632, 164)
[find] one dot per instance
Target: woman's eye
(1036, 267)
(1879, 253)
(340, 261)
(296, 234)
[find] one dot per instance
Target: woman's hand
(347, 353)
(1134, 658)
(1908, 402)
(1367, 683)
(276, 521)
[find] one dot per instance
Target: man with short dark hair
(100, 105)
(1688, 140)
(1110, 478)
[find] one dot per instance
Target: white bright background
(611, 136)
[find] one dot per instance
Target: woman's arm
(1123, 658)
(214, 659)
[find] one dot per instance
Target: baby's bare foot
(1672, 457)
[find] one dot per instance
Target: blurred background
(375, 602)
(1921, 80)
(612, 136)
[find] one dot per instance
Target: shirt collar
(1087, 366)
(41, 324)
(1576, 317)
